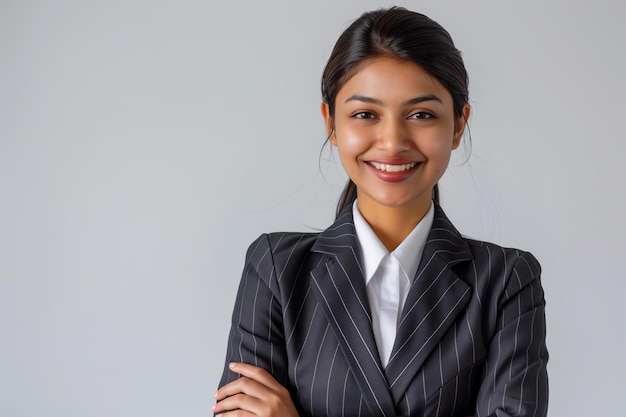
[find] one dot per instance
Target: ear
(460, 124)
(328, 120)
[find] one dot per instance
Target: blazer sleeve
(516, 381)
(256, 335)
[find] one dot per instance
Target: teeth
(393, 168)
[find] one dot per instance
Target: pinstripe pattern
(471, 339)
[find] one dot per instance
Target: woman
(390, 311)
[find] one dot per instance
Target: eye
(364, 115)
(422, 115)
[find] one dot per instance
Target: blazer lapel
(340, 288)
(435, 299)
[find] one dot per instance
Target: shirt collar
(408, 253)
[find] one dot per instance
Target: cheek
(438, 153)
(351, 142)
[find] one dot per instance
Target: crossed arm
(255, 393)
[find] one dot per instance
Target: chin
(398, 202)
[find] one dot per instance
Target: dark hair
(399, 33)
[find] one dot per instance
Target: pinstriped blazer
(471, 338)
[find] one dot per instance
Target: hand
(255, 393)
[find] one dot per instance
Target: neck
(392, 224)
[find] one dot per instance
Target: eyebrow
(416, 100)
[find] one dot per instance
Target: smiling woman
(390, 311)
(395, 128)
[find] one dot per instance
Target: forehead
(391, 78)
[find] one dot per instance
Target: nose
(393, 136)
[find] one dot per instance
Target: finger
(243, 385)
(256, 373)
(242, 402)
(235, 413)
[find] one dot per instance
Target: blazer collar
(339, 285)
(341, 236)
(437, 296)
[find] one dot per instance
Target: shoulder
(502, 269)
(281, 261)
(279, 242)
(271, 248)
(485, 260)
(491, 253)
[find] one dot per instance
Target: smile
(392, 168)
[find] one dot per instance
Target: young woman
(390, 311)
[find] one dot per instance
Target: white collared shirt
(388, 276)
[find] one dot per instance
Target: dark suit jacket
(471, 339)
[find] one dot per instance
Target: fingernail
(232, 365)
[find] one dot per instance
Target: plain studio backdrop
(145, 144)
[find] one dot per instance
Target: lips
(393, 172)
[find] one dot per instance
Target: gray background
(143, 145)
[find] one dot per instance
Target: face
(394, 128)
